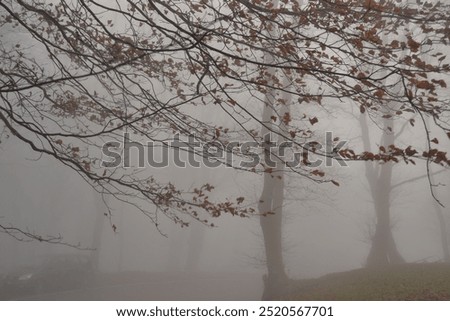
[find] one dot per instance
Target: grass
(424, 281)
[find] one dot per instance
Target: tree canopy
(75, 75)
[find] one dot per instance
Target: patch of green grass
(425, 281)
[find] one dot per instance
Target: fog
(74, 228)
(326, 230)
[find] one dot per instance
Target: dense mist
(199, 150)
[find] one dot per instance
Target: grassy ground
(427, 281)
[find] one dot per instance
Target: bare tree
(383, 249)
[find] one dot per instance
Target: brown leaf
(409, 151)
(287, 118)
(313, 120)
(424, 84)
(413, 45)
(318, 173)
(379, 93)
(335, 183)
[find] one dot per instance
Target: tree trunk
(271, 203)
(383, 249)
(195, 246)
(443, 231)
(100, 211)
(271, 225)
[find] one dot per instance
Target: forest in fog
(224, 150)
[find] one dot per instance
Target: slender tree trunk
(195, 246)
(271, 225)
(100, 211)
(272, 197)
(197, 231)
(175, 249)
(96, 241)
(383, 249)
(443, 231)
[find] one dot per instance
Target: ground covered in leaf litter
(424, 281)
